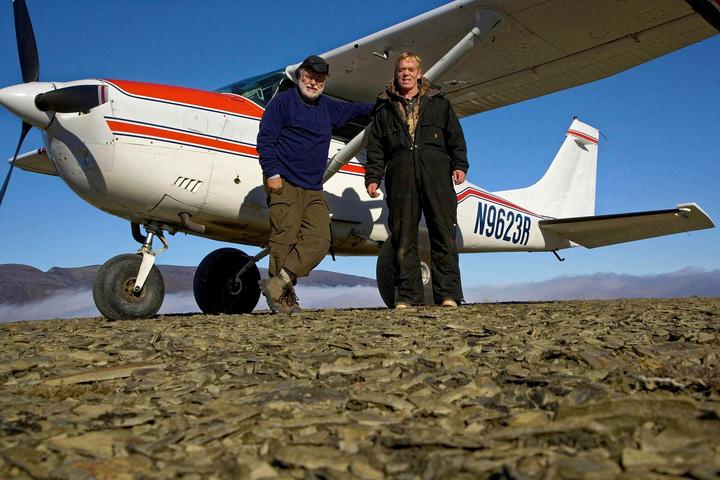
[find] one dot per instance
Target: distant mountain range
(682, 283)
(28, 293)
(21, 284)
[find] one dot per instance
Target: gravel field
(550, 390)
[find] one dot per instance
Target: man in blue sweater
(293, 141)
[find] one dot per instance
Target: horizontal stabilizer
(36, 161)
(602, 230)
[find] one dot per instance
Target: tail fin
(568, 187)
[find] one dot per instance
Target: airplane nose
(20, 100)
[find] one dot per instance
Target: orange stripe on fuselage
(200, 98)
(196, 140)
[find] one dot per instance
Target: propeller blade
(79, 98)
(27, 48)
(25, 129)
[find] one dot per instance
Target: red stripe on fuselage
(582, 135)
(468, 192)
(352, 168)
(194, 140)
(223, 102)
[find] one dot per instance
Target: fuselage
(152, 152)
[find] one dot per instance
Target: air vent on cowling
(189, 184)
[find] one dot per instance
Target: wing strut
(485, 23)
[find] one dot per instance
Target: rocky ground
(553, 390)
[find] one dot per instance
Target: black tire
(216, 289)
(113, 290)
(385, 275)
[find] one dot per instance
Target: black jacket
(438, 145)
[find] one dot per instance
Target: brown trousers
(299, 229)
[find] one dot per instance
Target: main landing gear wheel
(114, 289)
(217, 287)
(385, 275)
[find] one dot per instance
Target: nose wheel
(130, 286)
(115, 294)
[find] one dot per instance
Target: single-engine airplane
(172, 159)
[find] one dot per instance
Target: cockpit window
(260, 89)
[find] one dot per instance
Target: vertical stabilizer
(568, 187)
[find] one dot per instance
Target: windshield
(260, 89)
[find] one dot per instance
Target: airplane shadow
(352, 219)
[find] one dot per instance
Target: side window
(259, 89)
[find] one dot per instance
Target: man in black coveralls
(416, 143)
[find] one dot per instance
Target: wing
(541, 46)
(591, 232)
(36, 161)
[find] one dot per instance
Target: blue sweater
(294, 137)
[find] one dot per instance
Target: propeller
(79, 98)
(23, 133)
(27, 48)
(29, 66)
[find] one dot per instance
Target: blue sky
(659, 120)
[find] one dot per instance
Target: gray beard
(307, 95)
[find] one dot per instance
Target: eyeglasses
(308, 78)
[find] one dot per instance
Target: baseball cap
(315, 63)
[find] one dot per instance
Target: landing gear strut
(114, 289)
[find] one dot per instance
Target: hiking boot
(289, 300)
(273, 288)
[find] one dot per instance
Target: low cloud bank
(683, 283)
(310, 297)
(79, 303)
(64, 304)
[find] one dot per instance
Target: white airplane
(173, 159)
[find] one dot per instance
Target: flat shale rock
(622, 389)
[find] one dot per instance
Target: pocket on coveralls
(433, 134)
